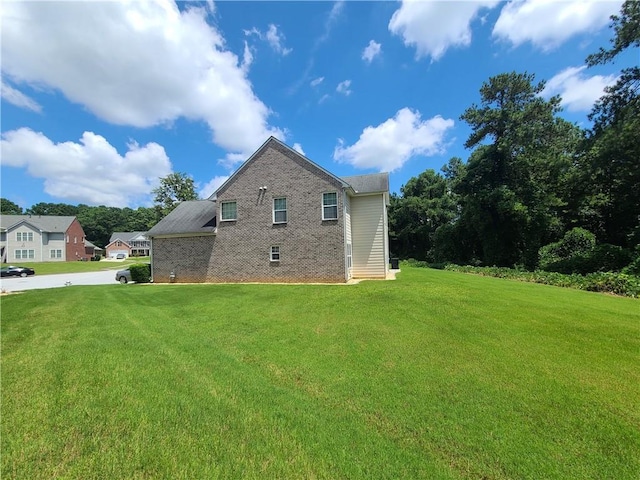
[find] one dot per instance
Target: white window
(279, 210)
(56, 253)
(275, 253)
(228, 211)
(67, 238)
(24, 236)
(24, 254)
(75, 239)
(330, 206)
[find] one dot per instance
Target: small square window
(279, 210)
(330, 206)
(275, 253)
(229, 211)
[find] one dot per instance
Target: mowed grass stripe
(435, 375)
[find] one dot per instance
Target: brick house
(131, 244)
(41, 238)
(279, 218)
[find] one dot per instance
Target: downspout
(151, 257)
(344, 233)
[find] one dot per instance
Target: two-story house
(278, 218)
(134, 244)
(41, 238)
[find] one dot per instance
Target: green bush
(602, 258)
(576, 241)
(616, 283)
(140, 272)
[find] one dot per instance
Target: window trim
(274, 250)
(222, 219)
(285, 210)
(24, 236)
(329, 206)
(30, 254)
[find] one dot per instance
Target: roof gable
(273, 142)
(44, 223)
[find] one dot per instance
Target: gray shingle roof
(195, 216)
(372, 183)
(46, 223)
(125, 236)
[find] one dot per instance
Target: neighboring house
(92, 250)
(131, 244)
(279, 218)
(41, 238)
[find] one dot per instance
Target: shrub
(140, 272)
(576, 241)
(616, 283)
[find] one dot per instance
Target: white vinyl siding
(368, 233)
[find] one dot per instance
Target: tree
(174, 188)
(55, 209)
(426, 203)
(610, 177)
(7, 207)
(509, 189)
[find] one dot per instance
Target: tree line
(535, 188)
(100, 222)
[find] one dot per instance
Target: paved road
(18, 284)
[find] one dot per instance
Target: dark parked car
(13, 271)
(123, 276)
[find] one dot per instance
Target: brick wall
(311, 250)
(189, 258)
(75, 245)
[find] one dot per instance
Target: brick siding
(311, 250)
(75, 246)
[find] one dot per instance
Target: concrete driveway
(19, 284)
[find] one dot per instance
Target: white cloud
(332, 18)
(247, 58)
(212, 185)
(548, 23)
(388, 146)
(19, 99)
(317, 81)
(90, 171)
(371, 51)
(298, 148)
(276, 39)
(136, 63)
(433, 26)
(324, 98)
(344, 87)
(578, 91)
(273, 37)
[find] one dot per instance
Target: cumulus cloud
(388, 146)
(578, 91)
(298, 148)
(19, 99)
(317, 81)
(371, 51)
(90, 171)
(211, 186)
(433, 26)
(344, 87)
(136, 63)
(548, 23)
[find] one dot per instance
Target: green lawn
(48, 268)
(436, 375)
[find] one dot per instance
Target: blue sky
(99, 100)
